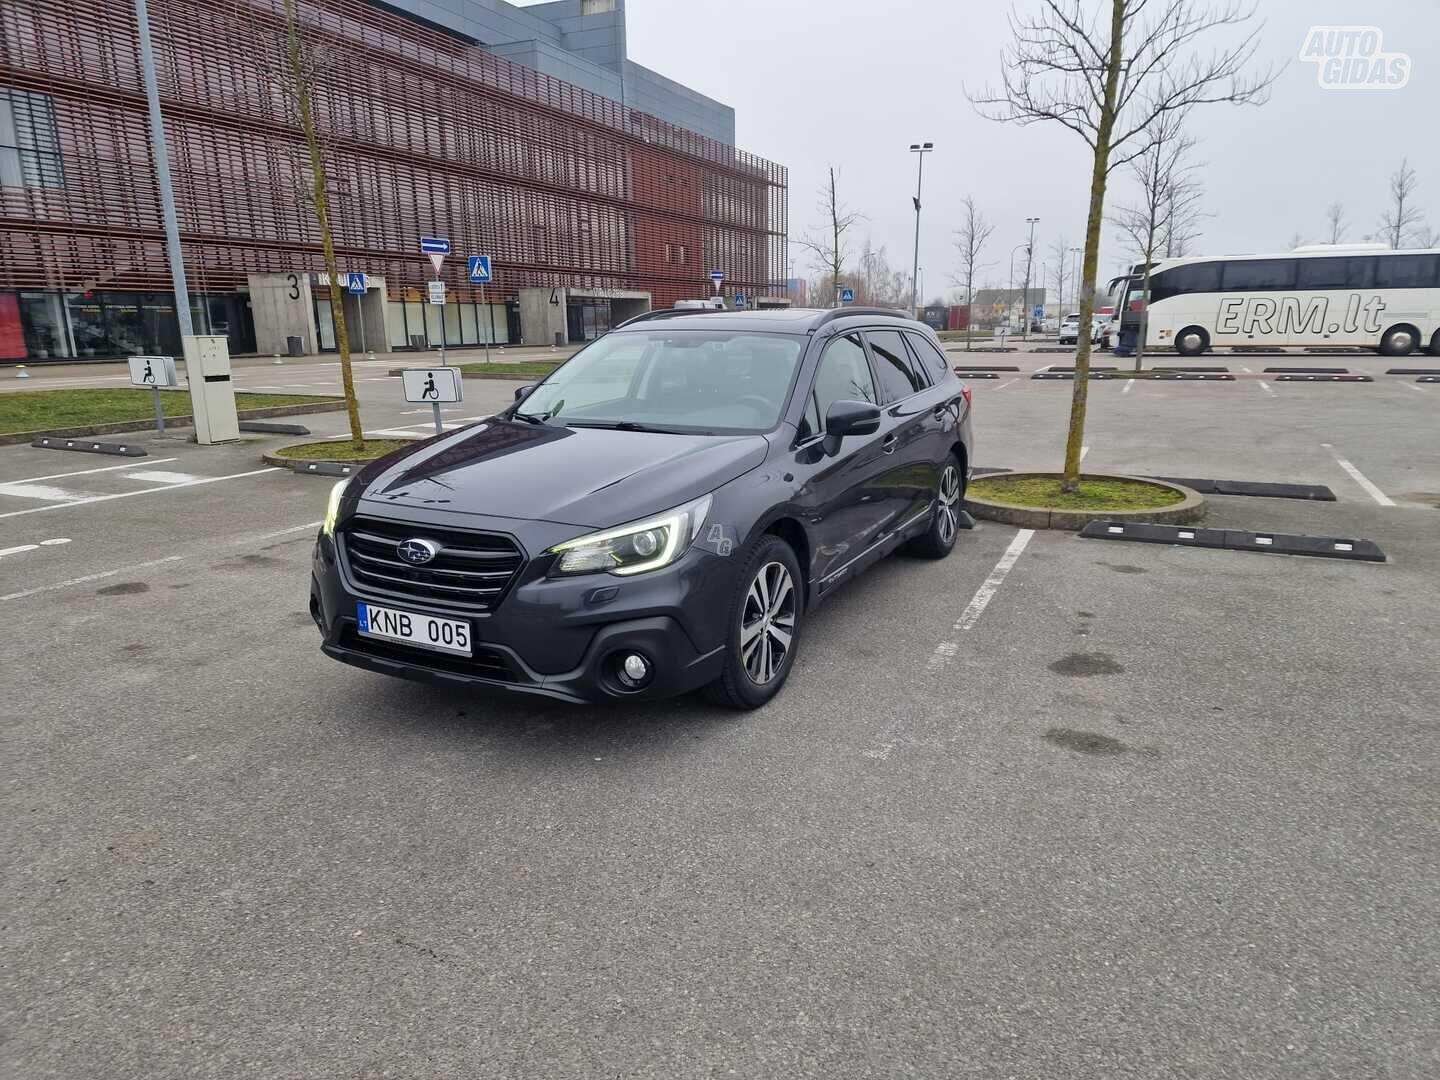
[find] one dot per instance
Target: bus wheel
(1435, 344)
(1192, 341)
(1399, 341)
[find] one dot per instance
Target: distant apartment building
(599, 188)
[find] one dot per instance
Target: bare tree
(970, 241)
(291, 57)
(830, 248)
(1403, 220)
(1164, 174)
(1060, 252)
(1335, 226)
(1427, 237)
(1108, 70)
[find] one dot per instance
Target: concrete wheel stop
(1190, 508)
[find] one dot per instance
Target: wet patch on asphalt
(1084, 665)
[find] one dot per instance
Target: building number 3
(294, 286)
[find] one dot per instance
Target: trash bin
(295, 345)
(419, 342)
(559, 338)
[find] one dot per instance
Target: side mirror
(522, 392)
(849, 418)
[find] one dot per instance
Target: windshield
(672, 380)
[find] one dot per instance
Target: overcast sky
(854, 82)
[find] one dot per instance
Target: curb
(91, 430)
(1190, 510)
(299, 464)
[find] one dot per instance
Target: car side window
(929, 355)
(844, 375)
(892, 365)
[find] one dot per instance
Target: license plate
(412, 628)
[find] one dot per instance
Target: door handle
(889, 443)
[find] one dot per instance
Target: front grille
(486, 663)
(470, 572)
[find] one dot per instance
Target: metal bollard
(22, 373)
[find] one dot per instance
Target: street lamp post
(1010, 300)
(162, 175)
(921, 149)
(1075, 276)
(1025, 292)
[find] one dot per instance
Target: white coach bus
(1365, 295)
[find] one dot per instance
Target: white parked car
(1070, 329)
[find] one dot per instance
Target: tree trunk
(1098, 174)
(320, 202)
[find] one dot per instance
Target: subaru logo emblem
(417, 552)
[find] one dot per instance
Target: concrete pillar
(282, 306)
(542, 316)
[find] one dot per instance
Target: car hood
(590, 477)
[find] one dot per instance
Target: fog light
(636, 668)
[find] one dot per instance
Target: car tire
(752, 675)
(1192, 341)
(1435, 344)
(1399, 341)
(939, 539)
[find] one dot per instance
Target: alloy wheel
(767, 623)
(949, 509)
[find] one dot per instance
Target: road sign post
(155, 372)
(437, 247)
(432, 385)
(356, 285)
(480, 275)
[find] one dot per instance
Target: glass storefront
(587, 319)
(466, 324)
(109, 325)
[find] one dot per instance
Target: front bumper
(559, 639)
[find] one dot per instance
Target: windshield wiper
(627, 425)
(528, 417)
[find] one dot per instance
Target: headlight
(633, 549)
(332, 508)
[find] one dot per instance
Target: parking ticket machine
(212, 394)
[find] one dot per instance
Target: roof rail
(667, 313)
(844, 312)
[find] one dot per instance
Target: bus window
(1407, 272)
(1178, 280)
(1324, 273)
(1259, 275)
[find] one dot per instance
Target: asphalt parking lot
(1117, 810)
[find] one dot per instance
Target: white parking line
(56, 542)
(89, 577)
(86, 472)
(160, 476)
(41, 492)
(978, 603)
(1359, 477)
(1417, 389)
(132, 494)
(1007, 383)
(1129, 384)
(1246, 370)
(1083, 451)
(1266, 387)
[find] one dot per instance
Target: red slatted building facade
(426, 134)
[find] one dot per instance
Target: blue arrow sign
(717, 275)
(847, 296)
(480, 269)
(434, 245)
(355, 283)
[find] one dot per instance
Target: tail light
(965, 393)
